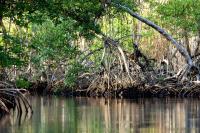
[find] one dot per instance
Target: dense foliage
(49, 39)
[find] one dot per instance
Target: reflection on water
(90, 115)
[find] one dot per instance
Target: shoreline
(183, 90)
(160, 90)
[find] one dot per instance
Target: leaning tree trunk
(179, 47)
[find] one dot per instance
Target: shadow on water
(90, 115)
(15, 118)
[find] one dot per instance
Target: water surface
(93, 115)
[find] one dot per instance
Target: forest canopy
(60, 40)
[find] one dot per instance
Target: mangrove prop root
(9, 95)
(117, 70)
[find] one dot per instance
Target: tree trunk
(4, 32)
(180, 48)
(187, 42)
(196, 51)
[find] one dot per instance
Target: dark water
(90, 115)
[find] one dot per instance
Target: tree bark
(187, 42)
(196, 51)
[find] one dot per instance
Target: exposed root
(10, 97)
(121, 75)
(117, 71)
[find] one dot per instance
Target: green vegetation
(59, 41)
(22, 82)
(96, 48)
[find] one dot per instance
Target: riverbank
(167, 88)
